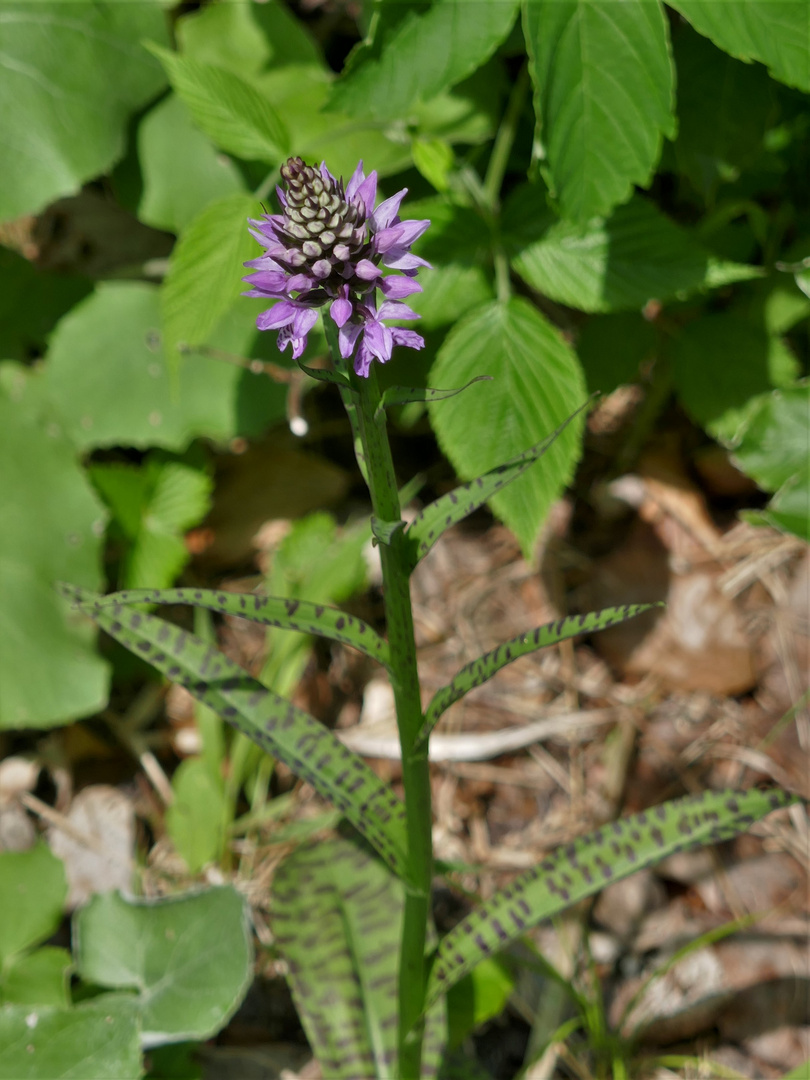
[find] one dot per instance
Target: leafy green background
(646, 220)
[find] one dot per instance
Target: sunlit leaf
(182, 170)
(336, 919)
(97, 1040)
(52, 524)
(231, 112)
(775, 32)
(479, 671)
(285, 612)
(538, 386)
(74, 73)
(603, 86)
(586, 865)
(309, 749)
(187, 979)
(418, 51)
(614, 264)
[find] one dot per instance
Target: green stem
(371, 427)
(504, 140)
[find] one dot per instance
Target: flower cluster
(327, 246)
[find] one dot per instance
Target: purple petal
(275, 317)
(269, 281)
(366, 270)
(362, 362)
(407, 337)
(404, 260)
(390, 309)
(341, 311)
(264, 262)
(347, 337)
(387, 211)
(368, 192)
(305, 319)
(358, 176)
(378, 339)
(396, 287)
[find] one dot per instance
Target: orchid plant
(352, 915)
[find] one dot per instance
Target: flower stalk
(328, 248)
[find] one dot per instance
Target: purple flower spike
(327, 247)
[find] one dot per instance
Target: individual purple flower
(328, 246)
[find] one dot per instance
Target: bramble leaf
(287, 613)
(287, 732)
(775, 32)
(482, 669)
(230, 111)
(417, 54)
(603, 92)
(428, 525)
(584, 866)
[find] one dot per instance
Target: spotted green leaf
(286, 613)
(401, 395)
(477, 672)
(426, 528)
(584, 866)
(336, 917)
(310, 750)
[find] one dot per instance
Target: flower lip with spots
(328, 246)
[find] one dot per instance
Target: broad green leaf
(299, 93)
(74, 73)
(620, 263)
(287, 613)
(730, 134)
(612, 349)
(31, 302)
(336, 916)
(286, 732)
(194, 821)
(108, 377)
(231, 112)
(450, 292)
(434, 158)
(206, 271)
(97, 1040)
(52, 524)
(480, 670)
(154, 505)
(538, 385)
(774, 451)
(720, 364)
(326, 564)
(603, 93)
(182, 170)
(189, 959)
(584, 866)
(775, 32)
(245, 38)
(38, 978)
(400, 395)
(418, 52)
(33, 890)
(478, 997)
(425, 529)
